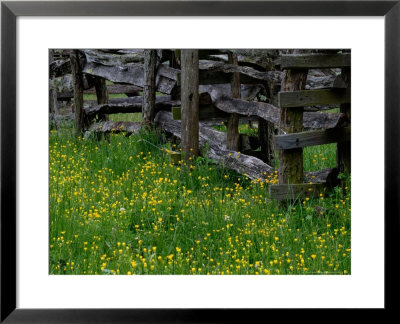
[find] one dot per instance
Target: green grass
(120, 207)
(134, 117)
(243, 129)
(90, 96)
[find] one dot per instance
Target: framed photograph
(115, 208)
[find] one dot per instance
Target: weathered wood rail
(202, 87)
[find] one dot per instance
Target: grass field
(120, 207)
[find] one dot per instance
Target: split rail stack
(202, 88)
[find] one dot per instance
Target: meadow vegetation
(121, 207)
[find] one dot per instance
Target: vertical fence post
(78, 91)
(101, 90)
(102, 98)
(265, 136)
(190, 103)
(344, 148)
(266, 129)
(291, 161)
(53, 108)
(149, 89)
(232, 128)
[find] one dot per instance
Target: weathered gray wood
(59, 68)
(344, 149)
(325, 82)
(293, 99)
(243, 70)
(232, 127)
(217, 121)
(121, 88)
(247, 91)
(247, 108)
(160, 100)
(204, 98)
(313, 120)
(78, 92)
(133, 73)
(128, 105)
(113, 58)
(317, 137)
(149, 88)
(291, 121)
(316, 120)
(328, 176)
(257, 57)
(190, 103)
(215, 141)
(295, 191)
(115, 127)
(112, 89)
(315, 61)
(206, 112)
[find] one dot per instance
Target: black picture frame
(10, 10)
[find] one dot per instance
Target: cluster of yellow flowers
(116, 208)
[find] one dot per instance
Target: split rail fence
(202, 88)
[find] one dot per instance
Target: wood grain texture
(293, 99)
(128, 105)
(317, 137)
(325, 82)
(291, 121)
(243, 70)
(78, 92)
(190, 103)
(232, 127)
(315, 61)
(133, 74)
(149, 87)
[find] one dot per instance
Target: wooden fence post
(232, 127)
(344, 148)
(101, 90)
(149, 89)
(265, 136)
(53, 104)
(190, 103)
(291, 161)
(102, 98)
(78, 91)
